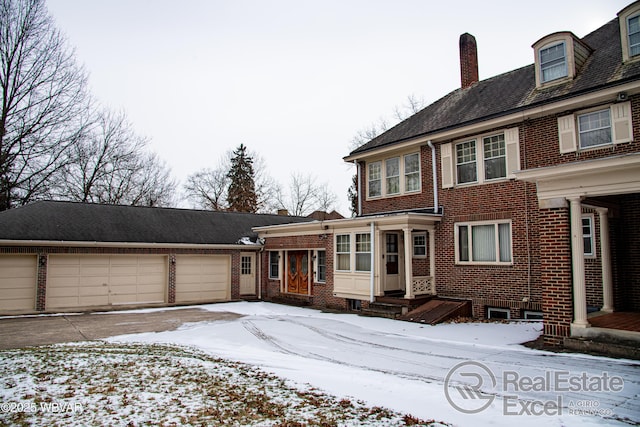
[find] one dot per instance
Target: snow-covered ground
(405, 366)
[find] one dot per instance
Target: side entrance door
(391, 262)
(247, 274)
(298, 272)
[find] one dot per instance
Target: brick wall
(555, 244)
(628, 235)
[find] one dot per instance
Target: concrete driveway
(24, 331)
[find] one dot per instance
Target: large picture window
(484, 243)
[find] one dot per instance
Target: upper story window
(559, 58)
(375, 179)
(495, 157)
(392, 175)
(401, 175)
(466, 162)
(553, 62)
(595, 128)
(480, 160)
(629, 23)
(633, 33)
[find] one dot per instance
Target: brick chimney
(468, 60)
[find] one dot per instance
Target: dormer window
(629, 22)
(633, 30)
(559, 58)
(553, 62)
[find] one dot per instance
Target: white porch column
(432, 257)
(605, 257)
(408, 263)
(577, 257)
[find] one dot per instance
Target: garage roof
(86, 222)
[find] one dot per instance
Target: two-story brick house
(519, 193)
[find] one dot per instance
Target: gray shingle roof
(85, 222)
(516, 90)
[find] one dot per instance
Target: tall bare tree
(45, 107)
(304, 195)
(111, 165)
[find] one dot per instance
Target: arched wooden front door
(298, 272)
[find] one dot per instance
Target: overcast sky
(293, 80)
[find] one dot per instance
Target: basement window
(354, 304)
(533, 315)
(498, 313)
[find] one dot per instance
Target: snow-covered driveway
(404, 366)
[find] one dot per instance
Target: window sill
(478, 183)
(483, 264)
(393, 196)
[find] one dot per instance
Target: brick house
(519, 194)
(60, 256)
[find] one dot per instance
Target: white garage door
(93, 280)
(18, 279)
(203, 278)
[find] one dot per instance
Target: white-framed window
(363, 252)
(588, 236)
(498, 313)
(412, 172)
(321, 266)
(375, 179)
(553, 62)
(594, 128)
(343, 252)
(466, 166)
(633, 35)
(491, 157)
(394, 176)
(495, 157)
(483, 243)
(533, 315)
(419, 245)
(274, 265)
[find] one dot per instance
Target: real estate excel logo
(471, 387)
(465, 397)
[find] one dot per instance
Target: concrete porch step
(384, 309)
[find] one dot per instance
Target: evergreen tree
(241, 195)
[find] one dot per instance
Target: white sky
(294, 80)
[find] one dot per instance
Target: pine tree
(242, 195)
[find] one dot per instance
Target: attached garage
(202, 278)
(77, 281)
(18, 279)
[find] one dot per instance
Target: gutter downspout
(372, 297)
(358, 192)
(435, 176)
